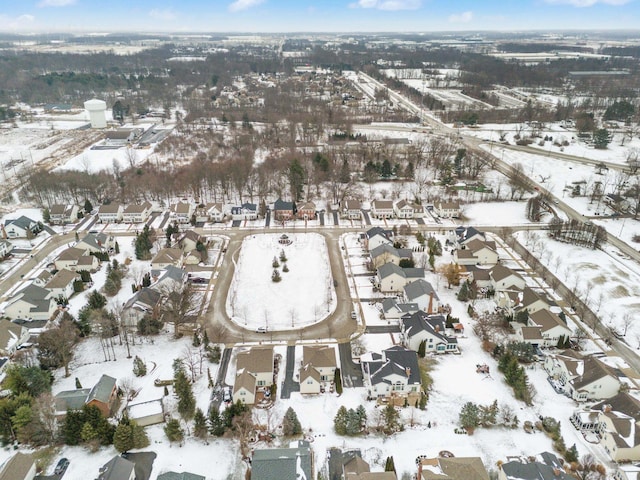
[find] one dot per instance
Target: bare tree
(179, 306)
(56, 345)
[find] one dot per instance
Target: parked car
(226, 394)
(261, 330)
(354, 315)
(61, 467)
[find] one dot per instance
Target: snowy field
(304, 296)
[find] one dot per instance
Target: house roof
(110, 208)
(382, 205)
(62, 278)
(190, 235)
(136, 209)
(35, 296)
(352, 204)
(96, 241)
(389, 249)
(167, 255)
(471, 232)
(622, 402)
(476, 245)
(181, 207)
(419, 288)
(529, 297)
(308, 371)
(60, 209)
(405, 359)
(481, 274)
(319, 356)
(101, 391)
(71, 254)
(500, 272)
(531, 333)
(547, 320)
(307, 206)
(389, 269)
(456, 468)
(117, 468)
(246, 380)
(10, 333)
(71, 399)
(256, 360)
(22, 222)
(170, 272)
(180, 476)
(516, 470)
(593, 371)
(355, 465)
(280, 204)
(282, 463)
(86, 261)
(390, 303)
(146, 296)
(413, 324)
(372, 232)
(17, 467)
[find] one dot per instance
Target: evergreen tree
(422, 349)
(196, 340)
(601, 138)
(353, 426)
(297, 176)
(123, 436)
(96, 300)
(117, 248)
(275, 276)
(362, 416)
(423, 401)
(340, 421)
(186, 400)
(285, 268)
(143, 244)
(200, 424)
(463, 294)
(139, 367)
(389, 465)
(391, 419)
(46, 215)
(290, 423)
(571, 455)
(345, 172)
(216, 422)
(139, 435)
(337, 380)
(78, 384)
(88, 207)
(469, 415)
(88, 434)
(275, 263)
(173, 430)
(205, 339)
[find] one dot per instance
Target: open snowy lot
(304, 296)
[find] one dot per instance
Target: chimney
(606, 408)
(556, 472)
(408, 371)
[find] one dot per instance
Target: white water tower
(97, 112)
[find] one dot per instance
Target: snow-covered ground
(304, 296)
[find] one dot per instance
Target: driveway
(289, 385)
(382, 329)
(351, 371)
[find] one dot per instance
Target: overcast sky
(314, 15)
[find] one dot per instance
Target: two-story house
(393, 375)
(351, 209)
(306, 211)
(377, 236)
(12, 336)
(392, 278)
(387, 253)
(476, 252)
(407, 209)
(61, 284)
(134, 213)
(111, 213)
(166, 257)
(21, 227)
(181, 212)
(423, 294)
(318, 367)
(31, 302)
(382, 209)
(253, 368)
(60, 214)
(246, 211)
(448, 209)
(283, 210)
(421, 327)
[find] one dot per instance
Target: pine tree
(290, 423)
(283, 257)
(123, 436)
(285, 268)
(389, 465)
(216, 423)
(117, 248)
(275, 276)
(186, 400)
(469, 415)
(353, 426)
(88, 434)
(337, 380)
(200, 424)
(275, 263)
(173, 430)
(78, 384)
(422, 349)
(196, 340)
(340, 421)
(140, 439)
(205, 339)
(362, 416)
(391, 419)
(139, 367)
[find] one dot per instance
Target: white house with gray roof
(430, 329)
(137, 213)
(21, 227)
(392, 374)
(392, 278)
(5, 248)
(295, 463)
(393, 310)
(31, 302)
(387, 253)
(96, 242)
(11, 337)
(422, 293)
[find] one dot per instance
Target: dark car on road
(61, 467)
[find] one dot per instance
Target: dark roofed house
(282, 211)
(103, 395)
(294, 463)
(117, 468)
(545, 466)
(422, 293)
(145, 301)
(422, 327)
(180, 476)
(393, 375)
(21, 227)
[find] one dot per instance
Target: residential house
(617, 202)
(408, 209)
(21, 227)
(448, 209)
(181, 212)
(392, 375)
(168, 279)
(111, 213)
(137, 213)
(422, 293)
(382, 209)
(357, 469)
(392, 310)
(103, 395)
(97, 242)
(318, 366)
(188, 240)
(582, 378)
(31, 302)
(118, 468)
(351, 209)
(166, 257)
(503, 278)
(627, 472)
(60, 214)
(307, 211)
(545, 466)
(551, 327)
(420, 327)
(145, 302)
(387, 253)
(76, 259)
(247, 211)
(531, 301)
(476, 252)
(283, 211)
(376, 236)
(452, 468)
(254, 372)
(471, 233)
(12, 336)
(42, 278)
(5, 248)
(180, 476)
(210, 212)
(146, 413)
(61, 285)
(295, 463)
(21, 466)
(392, 278)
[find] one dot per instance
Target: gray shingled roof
(117, 468)
(101, 391)
(180, 476)
(419, 288)
(281, 463)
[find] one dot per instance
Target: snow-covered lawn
(304, 296)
